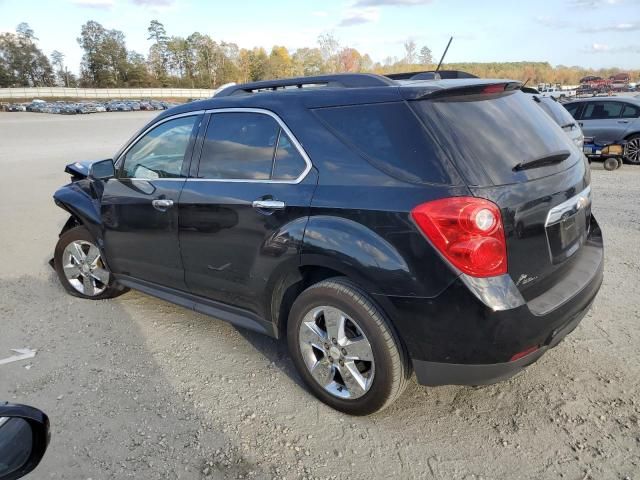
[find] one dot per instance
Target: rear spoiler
(452, 88)
(430, 75)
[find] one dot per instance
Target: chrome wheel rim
(84, 269)
(633, 150)
(336, 352)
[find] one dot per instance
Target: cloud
(320, 13)
(101, 4)
(550, 22)
(153, 3)
(596, 3)
(619, 27)
(359, 16)
(604, 48)
(396, 3)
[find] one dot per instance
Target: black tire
(392, 366)
(632, 150)
(610, 163)
(82, 234)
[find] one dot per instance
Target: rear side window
(602, 110)
(248, 146)
(391, 138)
(239, 146)
(289, 163)
(488, 136)
(631, 111)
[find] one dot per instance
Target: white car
(557, 93)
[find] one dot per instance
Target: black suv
(382, 225)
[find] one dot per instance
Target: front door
(139, 207)
(243, 213)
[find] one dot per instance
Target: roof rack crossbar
(341, 80)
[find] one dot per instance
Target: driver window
(160, 153)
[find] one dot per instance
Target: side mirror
(102, 170)
(24, 437)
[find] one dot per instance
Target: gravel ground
(136, 387)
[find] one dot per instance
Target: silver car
(609, 120)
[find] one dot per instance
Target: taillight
(468, 231)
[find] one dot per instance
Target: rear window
(391, 138)
(487, 136)
(556, 111)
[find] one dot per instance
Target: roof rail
(431, 75)
(342, 80)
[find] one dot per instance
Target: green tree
(425, 57)
(158, 54)
(22, 63)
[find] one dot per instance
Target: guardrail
(116, 93)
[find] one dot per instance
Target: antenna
(444, 54)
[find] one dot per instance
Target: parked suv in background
(562, 117)
(610, 120)
(381, 226)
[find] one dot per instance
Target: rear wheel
(610, 163)
(80, 268)
(344, 348)
(632, 150)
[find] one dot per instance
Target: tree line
(199, 61)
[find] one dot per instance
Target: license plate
(566, 236)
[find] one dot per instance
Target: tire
(610, 163)
(385, 376)
(93, 281)
(632, 150)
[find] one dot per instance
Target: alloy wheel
(336, 352)
(633, 150)
(84, 269)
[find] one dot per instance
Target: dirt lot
(136, 387)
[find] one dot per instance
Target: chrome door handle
(162, 205)
(269, 205)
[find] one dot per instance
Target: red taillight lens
(468, 231)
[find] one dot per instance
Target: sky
(589, 33)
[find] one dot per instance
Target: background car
(610, 120)
(562, 117)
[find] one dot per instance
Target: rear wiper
(550, 159)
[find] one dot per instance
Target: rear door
(602, 120)
(244, 209)
(514, 154)
(630, 118)
(139, 207)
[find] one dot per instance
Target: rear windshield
(487, 136)
(556, 111)
(389, 136)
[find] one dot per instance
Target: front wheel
(345, 349)
(632, 150)
(80, 268)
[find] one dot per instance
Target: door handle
(269, 205)
(580, 123)
(162, 204)
(623, 121)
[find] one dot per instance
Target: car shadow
(114, 410)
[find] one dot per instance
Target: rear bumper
(436, 373)
(462, 337)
